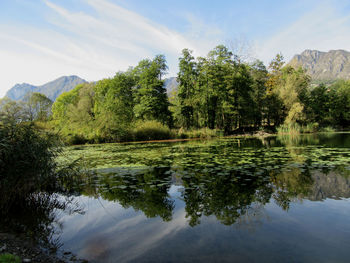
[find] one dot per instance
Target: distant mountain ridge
(51, 89)
(331, 65)
(171, 85)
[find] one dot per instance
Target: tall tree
(259, 74)
(187, 77)
(151, 100)
(114, 104)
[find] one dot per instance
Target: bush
(27, 161)
(74, 139)
(151, 130)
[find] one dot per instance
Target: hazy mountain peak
(51, 89)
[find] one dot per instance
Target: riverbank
(28, 251)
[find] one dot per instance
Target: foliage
(203, 133)
(27, 160)
(114, 107)
(9, 258)
(151, 130)
(330, 105)
(13, 110)
(38, 106)
(228, 178)
(327, 129)
(216, 92)
(291, 128)
(151, 102)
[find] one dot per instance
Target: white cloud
(323, 28)
(92, 46)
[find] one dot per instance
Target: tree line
(219, 91)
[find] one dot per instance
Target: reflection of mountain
(330, 185)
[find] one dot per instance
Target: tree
(340, 109)
(38, 106)
(286, 88)
(114, 104)
(12, 110)
(186, 92)
(259, 75)
(151, 100)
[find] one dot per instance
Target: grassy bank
(155, 131)
(140, 131)
(295, 128)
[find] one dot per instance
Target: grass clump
(201, 133)
(292, 128)
(310, 128)
(295, 128)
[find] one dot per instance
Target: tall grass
(293, 128)
(310, 128)
(200, 133)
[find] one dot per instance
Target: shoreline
(240, 135)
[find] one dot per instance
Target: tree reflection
(229, 195)
(145, 191)
(232, 184)
(37, 217)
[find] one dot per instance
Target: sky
(41, 40)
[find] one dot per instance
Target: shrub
(151, 130)
(27, 161)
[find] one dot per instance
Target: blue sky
(41, 40)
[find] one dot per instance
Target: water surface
(278, 199)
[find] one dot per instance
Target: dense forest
(218, 93)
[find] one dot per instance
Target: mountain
(52, 89)
(170, 84)
(331, 65)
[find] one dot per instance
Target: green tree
(12, 110)
(186, 77)
(259, 75)
(114, 105)
(151, 100)
(341, 103)
(38, 106)
(286, 89)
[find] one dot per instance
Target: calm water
(278, 199)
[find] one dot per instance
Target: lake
(274, 199)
